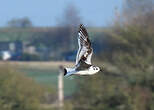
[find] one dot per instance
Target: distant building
(10, 50)
(30, 50)
(6, 55)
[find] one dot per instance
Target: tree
(70, 20)
(70, 17)
(130, 58)
(136, 10)
(20, 23)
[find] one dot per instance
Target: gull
(83, 65)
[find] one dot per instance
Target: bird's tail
(63, 70)
(67, 71)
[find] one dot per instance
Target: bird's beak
(101, 70)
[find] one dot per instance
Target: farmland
(44, 73)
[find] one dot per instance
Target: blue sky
(45, 12)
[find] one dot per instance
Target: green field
(45, 73)
(49, 78)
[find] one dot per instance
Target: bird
(83, 65)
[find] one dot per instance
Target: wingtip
(81, 26)
(83, 29)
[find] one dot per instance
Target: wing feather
(85, 50)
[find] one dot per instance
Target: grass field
(45, 73)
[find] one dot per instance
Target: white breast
(86, 72)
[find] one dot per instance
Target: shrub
(18, 92)
(29, 57)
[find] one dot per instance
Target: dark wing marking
(82, 66)
(85, 51)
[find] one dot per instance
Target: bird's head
(95, 68)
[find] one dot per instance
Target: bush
(29, 57)
(18, 92)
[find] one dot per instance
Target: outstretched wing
(85, 50)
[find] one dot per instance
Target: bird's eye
(95, 68)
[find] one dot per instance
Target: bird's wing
(85, 50)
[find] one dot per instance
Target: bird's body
(83, 64)
(73, 71)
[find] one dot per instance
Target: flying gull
(83, 64)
